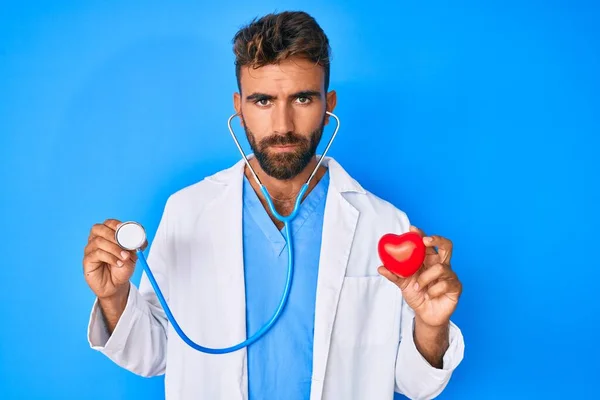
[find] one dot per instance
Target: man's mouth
(284, 147)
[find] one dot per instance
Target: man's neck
(283, 192)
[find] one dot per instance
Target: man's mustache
(289, 138)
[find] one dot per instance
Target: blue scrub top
(280, 363)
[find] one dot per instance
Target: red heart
(402, 254)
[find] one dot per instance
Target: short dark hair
(275, 37)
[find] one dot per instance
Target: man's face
(282, 108)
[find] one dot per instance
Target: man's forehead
(290, 74)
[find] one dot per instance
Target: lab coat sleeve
(139, 340)
(415, 377)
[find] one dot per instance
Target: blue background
(480, 121)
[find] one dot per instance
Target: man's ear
(331, 102)
(237, 105)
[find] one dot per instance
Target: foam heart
(402, 254)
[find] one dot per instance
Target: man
(351, 328)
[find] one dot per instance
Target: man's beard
(285, 165)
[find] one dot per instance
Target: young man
(351, 328)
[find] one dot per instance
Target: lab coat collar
(340, 180)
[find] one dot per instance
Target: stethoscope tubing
(290, 269)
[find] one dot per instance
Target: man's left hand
(433, 291)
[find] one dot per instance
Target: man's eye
(303, 100)
(262, 102)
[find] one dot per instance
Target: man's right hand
(106, 266)
(107, 269)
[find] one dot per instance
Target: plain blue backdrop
(480, 121)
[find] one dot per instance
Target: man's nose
(283, 119)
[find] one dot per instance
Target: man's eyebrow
(303, 93)
(261, 96)
(306, 93)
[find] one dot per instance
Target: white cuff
(419, 367)
(98, 336)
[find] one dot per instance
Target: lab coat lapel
(225, 215)
(339, 225)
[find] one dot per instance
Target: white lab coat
(363, 334)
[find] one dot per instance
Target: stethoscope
(132, 236)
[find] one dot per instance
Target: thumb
(396, 279)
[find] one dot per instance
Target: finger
(433, 273)
(94, 231)
(124, 256)
(438, 288)
(413, 228)
(428, 250)
(443, 287)
(122, 275)
(112, 223)
(108, 233)
(104, 231)
(92, 261)
(388, 274)
(396, 279)
(444, 247)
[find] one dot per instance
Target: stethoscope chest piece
(130, 235)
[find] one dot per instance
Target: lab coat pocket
(367, 311)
